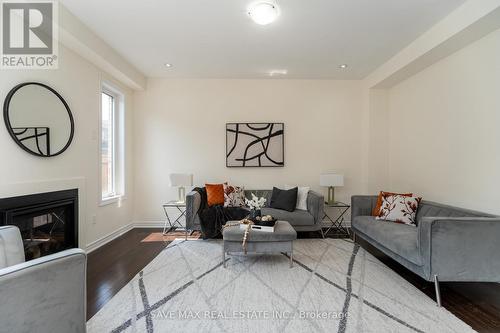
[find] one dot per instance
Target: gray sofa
(301, 220)
(47, 294)
(448, 244)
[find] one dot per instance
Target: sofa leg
(438, 292)
(354, 237)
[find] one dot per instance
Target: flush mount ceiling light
(168, 65)
(263, 13)
(343, 66)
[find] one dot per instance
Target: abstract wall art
(255, 144)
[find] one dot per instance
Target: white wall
(444, 140)
(78, 82)
(433, 134)
(378, 136)
(180, 127)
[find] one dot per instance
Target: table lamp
(331, 180)
(181, 180)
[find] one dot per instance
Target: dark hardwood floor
(112, 266)
(481, 312)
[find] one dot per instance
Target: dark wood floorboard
(481, 312)
(112, 266)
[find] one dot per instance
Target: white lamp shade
(331, 179)
(181, 179)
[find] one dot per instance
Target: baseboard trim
(140, 224)
(120, 231)
(108, 238)
(148, 224)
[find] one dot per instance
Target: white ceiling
(216, 38)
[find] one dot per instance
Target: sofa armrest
(315, 205)
(362, 205)
(11, 246)
(193, 203)
(460, 248)
(47, 294)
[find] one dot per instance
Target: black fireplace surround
(48, 221)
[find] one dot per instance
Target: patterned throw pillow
(381, 195)
(234, 196)
(399, 208)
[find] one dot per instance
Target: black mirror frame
(8, 125)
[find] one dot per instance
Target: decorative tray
(269, 223)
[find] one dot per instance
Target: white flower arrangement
(256, 202)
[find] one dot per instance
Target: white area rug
(334, 286)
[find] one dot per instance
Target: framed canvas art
(255, 144)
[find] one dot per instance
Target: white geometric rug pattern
(334, 286)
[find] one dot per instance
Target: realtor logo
(29, 34)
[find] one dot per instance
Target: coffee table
(281, 240)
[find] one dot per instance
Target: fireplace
(48, 221)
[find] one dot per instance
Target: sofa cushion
(234, 196)
(297, 217)
(380, 199)
(399, 208)
(284, 199)
(398, 238)
(302, 192)
(215, 194)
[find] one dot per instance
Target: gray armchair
(448, 244)
(47, 294)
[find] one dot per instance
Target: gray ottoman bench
(281, 240)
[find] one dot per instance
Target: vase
(254, 213)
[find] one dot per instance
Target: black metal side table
(336, 224)
(181, 207)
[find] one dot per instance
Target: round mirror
(38, 119)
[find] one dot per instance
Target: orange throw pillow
(215, 194)
(381, 195)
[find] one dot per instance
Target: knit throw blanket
(213, 218)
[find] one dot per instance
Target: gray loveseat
(448, 244)
(301, 220)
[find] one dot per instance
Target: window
(111, 144)
(107, 146)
